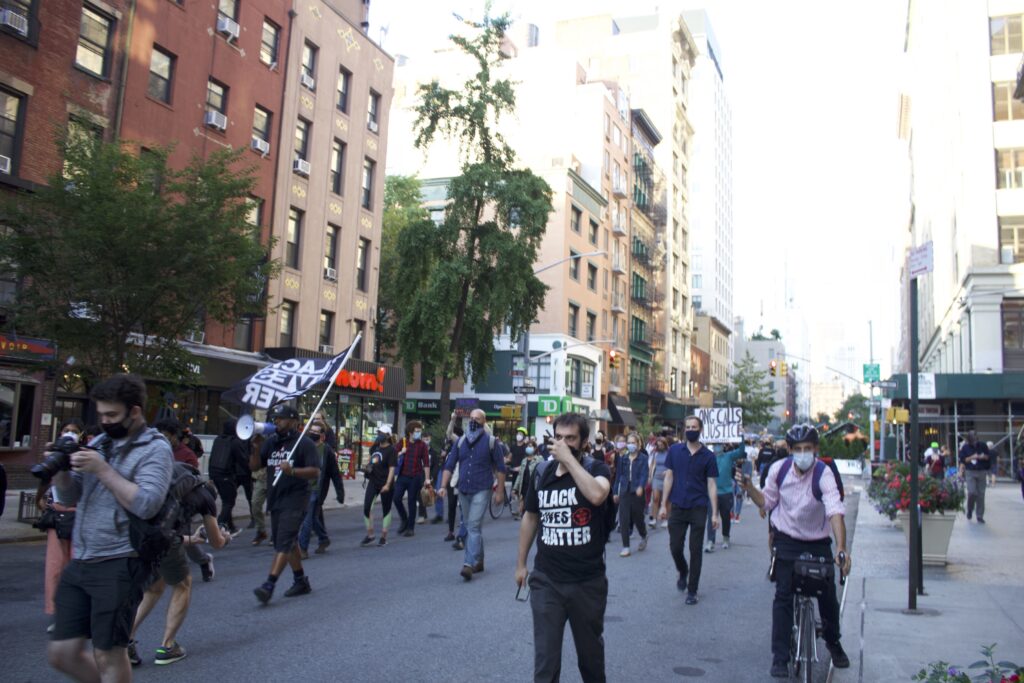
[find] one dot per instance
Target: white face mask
(803, 460)
(620, 445)
(631, 447)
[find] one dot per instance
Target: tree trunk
(453, 347)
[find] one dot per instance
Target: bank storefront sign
(556, 405)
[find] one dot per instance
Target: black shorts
(284, 528)
(173, 567)
(97, 600)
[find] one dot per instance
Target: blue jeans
(474, 507)
(439, 501)
(412, 485)
(737, 493)
(312, 523)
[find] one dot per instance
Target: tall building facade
(710, 208)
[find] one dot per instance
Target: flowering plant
(890, 491)
(994, 672)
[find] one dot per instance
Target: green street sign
(872, 372)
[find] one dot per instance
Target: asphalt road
(403, 613)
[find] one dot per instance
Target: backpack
(541, 471)
(819, 469)
(151, 538)
(220, 457)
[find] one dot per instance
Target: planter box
(936, 531)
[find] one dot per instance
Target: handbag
(427, 497)
(61, 522)
(812, 575)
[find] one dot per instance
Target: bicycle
(498, 510)
(811, 575)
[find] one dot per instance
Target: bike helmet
(802, 433)
(283, 410)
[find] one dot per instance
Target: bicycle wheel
(807, 642)
(794, 639)
(495, 510)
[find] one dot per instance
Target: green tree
(756, 389)
(470, 278)
(119, 256)
(854, 409)
(822, 418)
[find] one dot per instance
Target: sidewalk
(977, 599)
(13, 531)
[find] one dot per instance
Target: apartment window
(228, 8)
(576, 218)
(331, 247)
(269, 42)
(592, 277)
(243, 334)
(581, 378)
(672, 382)
(326, 328)
(291, 247)
(10, 126)
(302, 138)
(344, 84)
(362, 263)
(1006, 35)
(1011, 234)
(1013, 335)
(591, 327)
(94, 34)
(574, 319)
(216, 96)
(698, 301)
(358, 327)
(161, 72)
(287, 323)
(1005, 107)
(574, 265)
(337, 166)
(638, 330)
(16, 401)
(369, 166)
(1009, 168)
(639, 287)
(309, 51)
(254, 214)
(261, 124)
(594, 230)
(697, 281)
(373, 112)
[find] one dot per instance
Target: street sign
(887, 384)
(925, 385)
(872, 372)
(521, 399)
(524, 390)
(922, 260)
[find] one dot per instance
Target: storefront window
(16, 401)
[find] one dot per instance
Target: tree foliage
(854, 409)
(758, 397)
(120, 256)
(470, 278)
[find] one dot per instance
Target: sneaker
(625, 552)
(409, 533)
(422, 520)
(367, 541)
(449, 538)
(322, 548)
(260, 537)
(169, 655)
(664, 524)
(643, 544)
(691, 598)
(478, 567)
(651, 522)
(459, 544)
(382, 542)
(437, 520)
(466, 572)
(725, 544)
(264, 592)
(969, 513)
(839, 658)
(300, 587)
(737, 520)
(133, 653)
(709, 547)
(303, 553)
(780, 670)
(681, 583)
(207, 569)
(980, 520)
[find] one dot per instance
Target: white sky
(819, 192)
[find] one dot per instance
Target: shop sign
(554, 405)
(26, 348)
(351, 379)
(413, 405)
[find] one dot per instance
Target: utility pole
(921, 261)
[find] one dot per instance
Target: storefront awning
(620, 411)
(672, 410)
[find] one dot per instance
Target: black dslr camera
(58, 459)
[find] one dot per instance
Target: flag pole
(320, 404)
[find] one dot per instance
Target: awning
(672, 410)
(620, 411)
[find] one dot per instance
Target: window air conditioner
(302, 167)
(214, 119)
(372, 125)
(331, 274)
(12, 19)
(260, 145)
(327, 348)
(228, 27)
(197, 337)
(5, 165)
(307, 81)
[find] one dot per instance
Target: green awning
(1005, 386)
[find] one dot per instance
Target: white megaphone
(247, 427)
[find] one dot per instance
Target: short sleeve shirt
(380, 460)
(571, 530)
(289, 492)
(690, 474)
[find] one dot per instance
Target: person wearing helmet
(802, 497)
(514, 463)
(292, 463)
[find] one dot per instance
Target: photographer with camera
(126, 470)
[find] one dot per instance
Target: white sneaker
(725, 544)
(709, 547)
(643, 544)
(664, 524)
(625, 553)
(651, 523)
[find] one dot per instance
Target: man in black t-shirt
(568, 582)
(288, 492)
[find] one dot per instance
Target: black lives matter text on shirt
(289, 491)
(570, 534)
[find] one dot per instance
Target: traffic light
(613, 359)
(783, 368)
(772, 367)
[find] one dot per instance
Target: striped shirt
(795, 512)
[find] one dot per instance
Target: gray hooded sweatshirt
(101, 523)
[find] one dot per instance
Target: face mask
(631, 447)
(117, 430)
(283, 432)
(315, 437)
(599, 441)
(692, 435)
(416, 436)
(576, 453)
(803, 461)
(474, 426)
(519, 437)
(530, 450)
(620, 444)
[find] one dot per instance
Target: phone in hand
(523, 591)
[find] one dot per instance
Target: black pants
(385, 500)
(227, 489)
(782, 606)
(453, 504)
(726, 501)
(631, 514)
(245, 481)
(681, 521)
(582, 605)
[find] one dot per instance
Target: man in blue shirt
(975, 463)
(691, 490)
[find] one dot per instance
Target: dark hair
(699, 421)
(169, 425)
(412, 425)
(73, 422)
(228, 428)
(126, 389)
(457, 429)
(574, 420)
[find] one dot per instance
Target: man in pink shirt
(803, 499)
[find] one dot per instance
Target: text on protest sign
(721, 425)
(284, 380)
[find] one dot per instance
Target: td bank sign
(554, 405)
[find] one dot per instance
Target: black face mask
(117, 430)
(576, 453)
(284, 433)
(692, 435)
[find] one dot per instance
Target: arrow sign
(524, 390)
